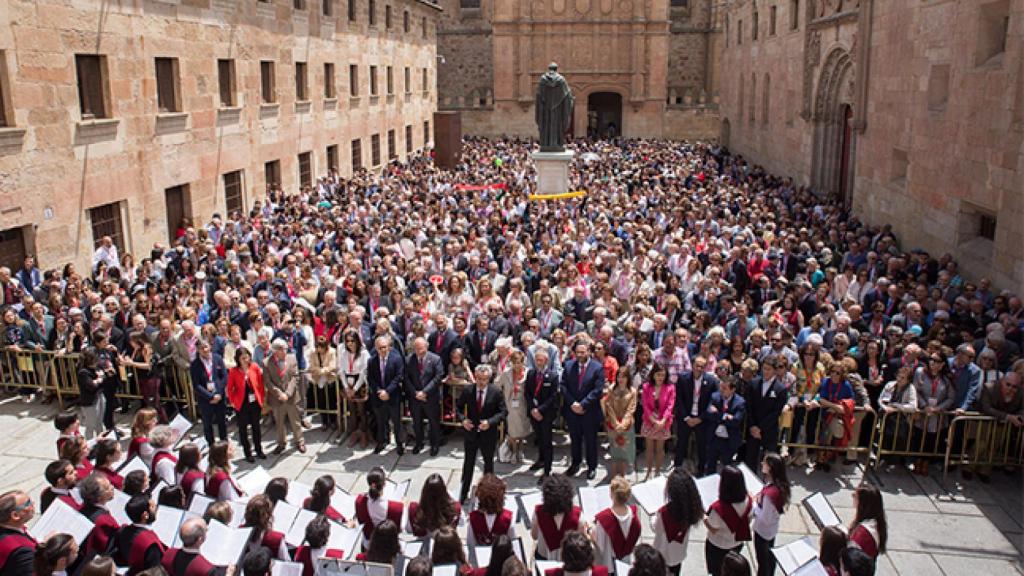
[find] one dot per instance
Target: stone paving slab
(937, 526)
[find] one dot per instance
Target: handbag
(505, 452)
(836, 428)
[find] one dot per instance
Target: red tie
(479, 403)
(579, 381)
(540, 382)
(440, 339)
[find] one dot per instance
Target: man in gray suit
(423, 374)
(281, 379)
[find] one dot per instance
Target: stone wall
(465, 73)
(690, 52)
(55, 166)
(936, 118)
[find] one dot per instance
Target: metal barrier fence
(911, 434)
(804, 429)
(980, 442)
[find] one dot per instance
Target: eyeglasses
(24, 506)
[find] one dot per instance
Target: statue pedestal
(552, 171)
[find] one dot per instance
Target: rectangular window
(357, 154)
(387, 17)
(391, 80)
(353, 80)
(373, 12)
(106, 221)
(375, 149)
(351, 10)
(91, 70)
(328, 7)
(408, 80)
(408, 139)
(332, 157)
(426, 132)
(301, 82)
(987, 226)
(272, 171)
(739, 32)
(423, 80)
(405, 22)
(306, 169)
(469, 3)
(373, 80)
(794, 14)
(6, 110)
(299, 4)
(233, 192)
(392, 145)
(267, 89)
(753, 25)
(423, 26)
(771, 20)
(226, 82)
(167, 85)
(329, 80)
(993, 26)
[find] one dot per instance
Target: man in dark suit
(442, 339)
(724, 418)
(693, 394)
(480, 342)
(209, 381)
(423, 374)
(766, 397)
(582, 386)
(541, 392)
(483, 409)
(384, 375)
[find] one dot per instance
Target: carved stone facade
(912, 112)
(648, 65)
(135, 169)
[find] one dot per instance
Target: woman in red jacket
(245, 392)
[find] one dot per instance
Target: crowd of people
(689, 307)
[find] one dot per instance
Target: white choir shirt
(605, 554)
(164, 469)
(146, 452)
(766, 518)
(542, 545)
(489, 521)
(722, 537)
(674, 553)
(198, 485)
(227, 492)
(378, 510)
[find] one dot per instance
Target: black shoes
(591, 474)
(249, 458)
(378, 449)
(417, 449)
(539, 465)
(573, 470)
(433, 451)
(261, 455)
(401, 449)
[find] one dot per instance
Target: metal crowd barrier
(813, 436)
(980, 441)
(28, 371)
(328, 400)
(904, 434)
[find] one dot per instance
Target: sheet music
(621, 568)
(154, 491)
(527, 503)
(344, 539)
(821, 511)
(397, 490)
(135, 463)
(650, 495)
(520, 550)
(199, 503)
(284, 516)
(184, 518)
(344, 503)
(812, 568)
(335, 567)
(414, 548)
(446, 570)
(482, 555)
(116, 507)
(708, 488)
(223, 545)
(795, 554)
(168, 520)
(61, 518)
(237, 513)
(280, 568)
(754, 484)
(255, 481)
(297, 532)
(181, 426)
(297, 493)
(542, 566)
(593, 500)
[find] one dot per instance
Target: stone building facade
(636, 67)
(122, 117)
(911, 112)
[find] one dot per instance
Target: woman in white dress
(352, 359)
(511, 382)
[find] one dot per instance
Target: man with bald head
(187, 561)
(423, 374)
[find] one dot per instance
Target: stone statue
(553, 109)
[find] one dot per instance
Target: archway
(835, 143)
(604, 114)
(726, 129)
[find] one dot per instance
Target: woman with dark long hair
(384, 547)
(830, 547)
(434, 510)
(187, 472)
(501, 550)
(314, 547)
(446, 548)
(554, 517)
(768, 508)
(869, 530)
(728, 520)
(105, 453)
(259, 515)
(219, 483)
(490, 519)
(319, 499)
(681, 512)
(372, 508)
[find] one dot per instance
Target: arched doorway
(835, 143)
(604, 114)
(724, 136)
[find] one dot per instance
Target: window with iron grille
(106, 221)
(233, 199)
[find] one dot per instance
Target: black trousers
(485, 444)
(249, 417)
(583, 434)
(214, 414)
(755, 448)
(387, 415)
(765, 558)
(683, 434)
(713, 556)
(544, 434)
(431, 412)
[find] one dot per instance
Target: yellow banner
(562, 196)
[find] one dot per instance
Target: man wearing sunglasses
(17, 547)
